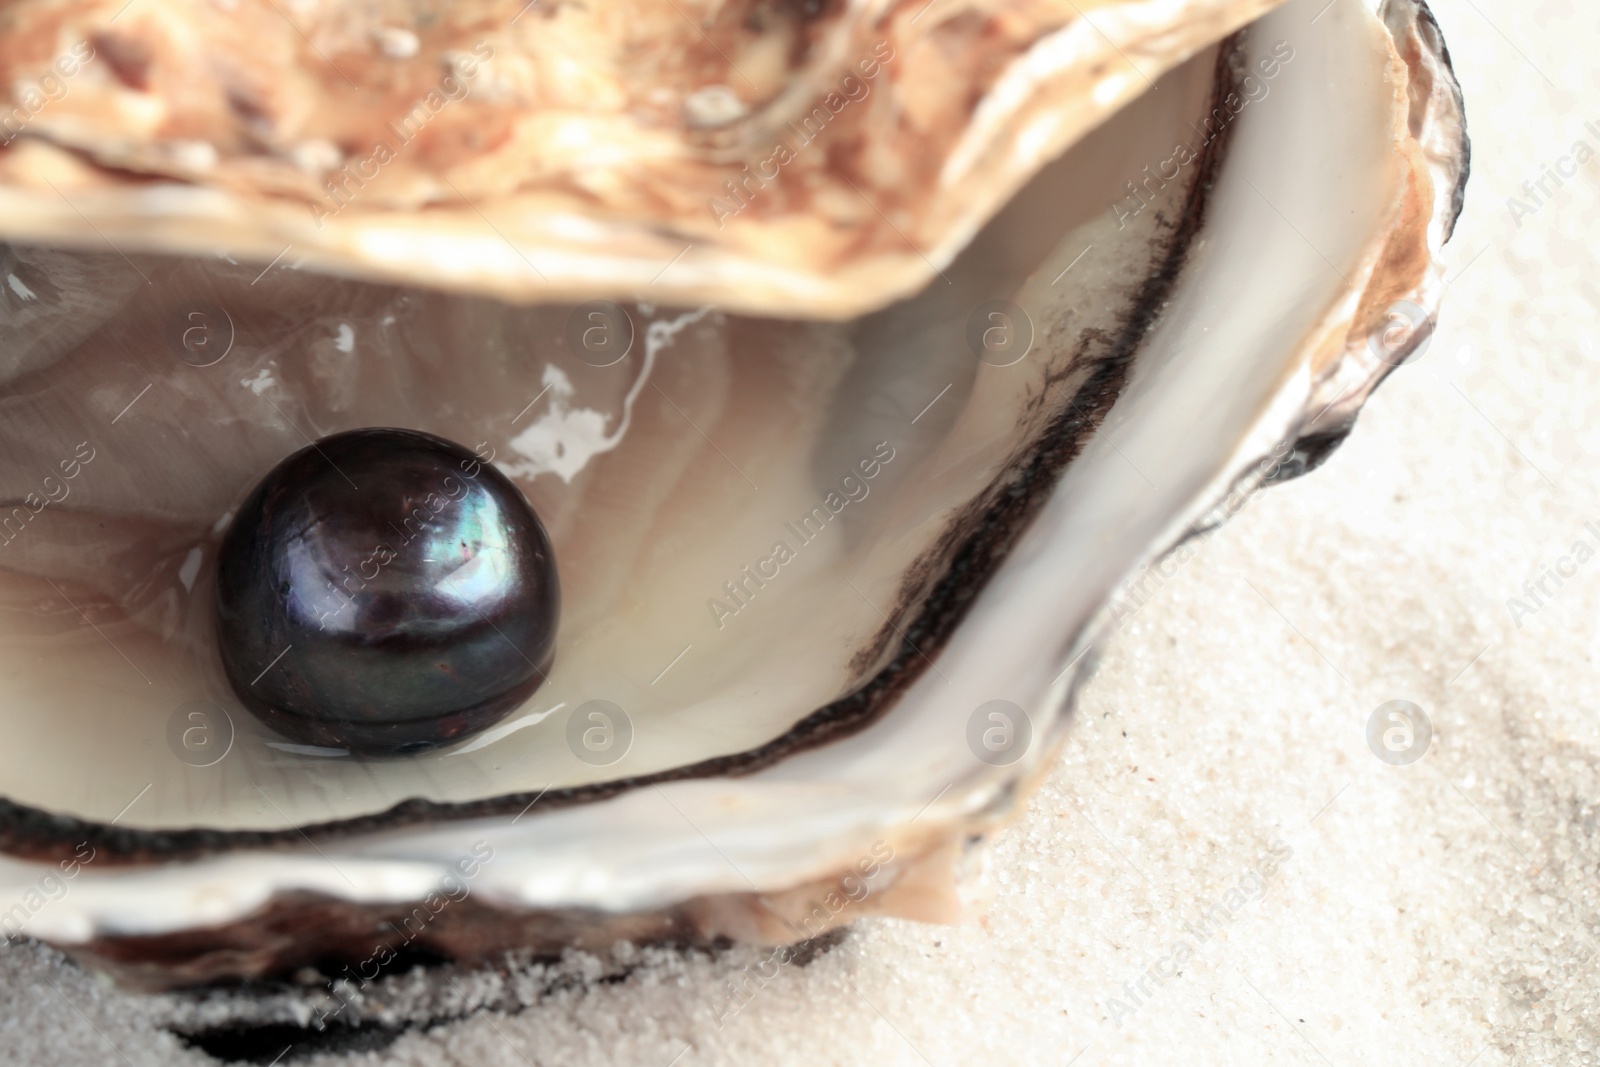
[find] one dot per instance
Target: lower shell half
(830, 585)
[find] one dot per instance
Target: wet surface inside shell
(669, 479)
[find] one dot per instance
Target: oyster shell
(760, 789)
(464, 146)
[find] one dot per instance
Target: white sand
(1442, 913)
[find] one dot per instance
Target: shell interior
(729, 488)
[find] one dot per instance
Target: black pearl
(385, 591)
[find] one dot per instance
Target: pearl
(387, 592)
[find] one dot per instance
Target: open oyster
(828, 584)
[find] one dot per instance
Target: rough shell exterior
(762, 155)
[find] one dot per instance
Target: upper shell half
(841, 491)
(785, 157)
